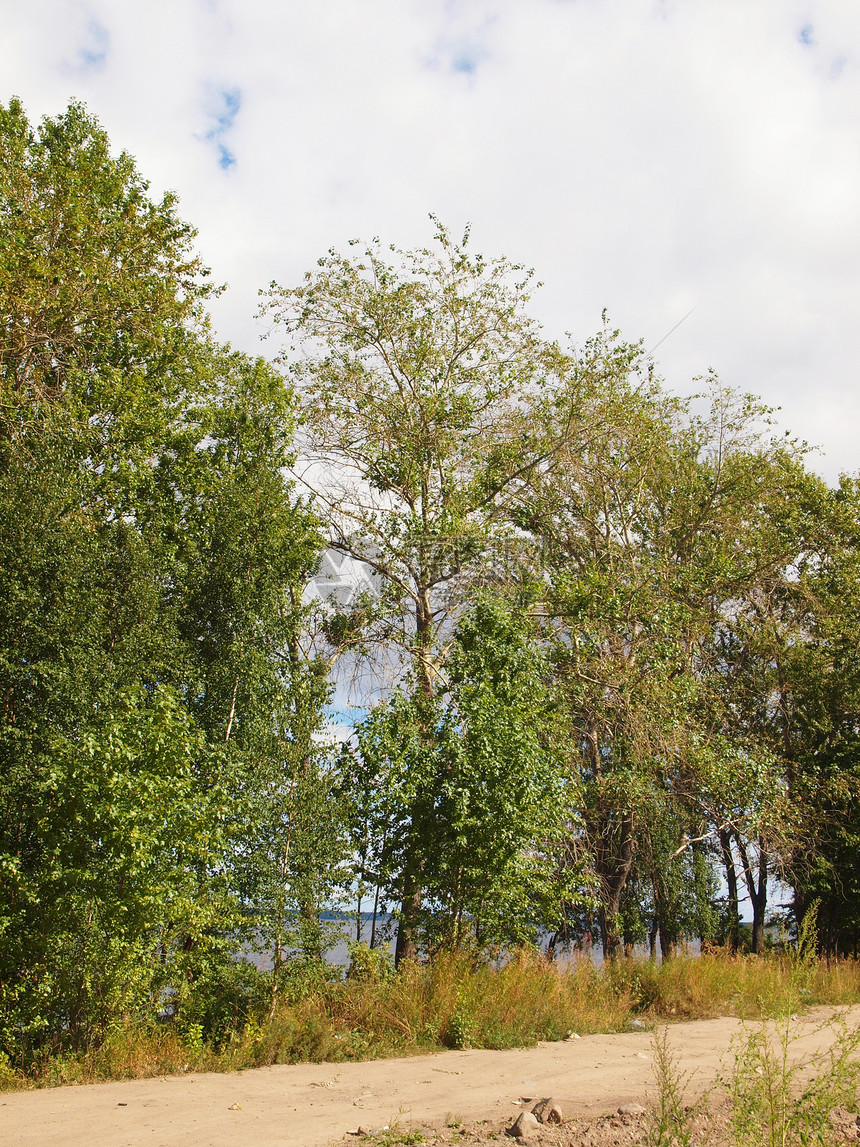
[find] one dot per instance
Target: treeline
(609, 659)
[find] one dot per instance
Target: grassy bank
(452, 1003)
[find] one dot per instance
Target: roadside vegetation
(599, 668)
(447, 1004)
(768, 1095)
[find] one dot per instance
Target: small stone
(525, 1126)
(841, 1116)
(636, 1025)
(235, 1107)
(548, 1111)
(632, 1109)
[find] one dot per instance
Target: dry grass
(456, 1002)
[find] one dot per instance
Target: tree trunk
(733, 936)
(375, 914)
(760, 903)
(756, 883)
(665, 916)
(667, 942)
(410, 907)
(310, 931)
(613, 867)
(412, 895)
(609, 934)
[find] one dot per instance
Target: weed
(669, 1120)
(191, 1035)
(8, 1076)
(779, 1100)
(461, 1026)
(394, 1137)
(369, 964)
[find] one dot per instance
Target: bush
(222, 999)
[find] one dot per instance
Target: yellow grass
(457, 1002)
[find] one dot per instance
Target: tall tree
(819, 690)
(743, 762)
(99, 283)
(413, 372)
(489, 806)
(645, 538)
(150, 542)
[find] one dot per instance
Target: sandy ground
(315, 1105)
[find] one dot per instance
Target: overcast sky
(645, 157)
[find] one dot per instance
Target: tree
(819, 705)
(99, 284)
(152, 552)
(646, 538)
(412, 377)
(617, 636)
(487, 809)
(743, 761)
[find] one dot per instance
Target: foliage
(99, 283)
(669, 1118)
(821, 699)
(482, 804)
(412, 367)
(149, 542)
(651, 539)
(611, 636)
(773, 1104)
(513, 1005)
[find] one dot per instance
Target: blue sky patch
(460, 57)
(224, 104)
(465, 62)
(93, 53)
(226, 158)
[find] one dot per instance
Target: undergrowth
(454, 1002)
(777, 1096)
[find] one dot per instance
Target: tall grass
(454, 1002)
(778, 1097)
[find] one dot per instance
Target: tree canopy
(607, 668)
(153, 557)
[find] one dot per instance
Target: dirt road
(318, 1104)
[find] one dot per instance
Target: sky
(692, 162)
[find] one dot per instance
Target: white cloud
(643, 156)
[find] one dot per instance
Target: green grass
(776, 1096)
(453, 1003)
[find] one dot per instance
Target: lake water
(338, 955)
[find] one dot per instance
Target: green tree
(413, 369)
(820, 701)
(98, 282)
(743, 759)
(488, 808)
(646, 538)
(104, 889)
(153, 555)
